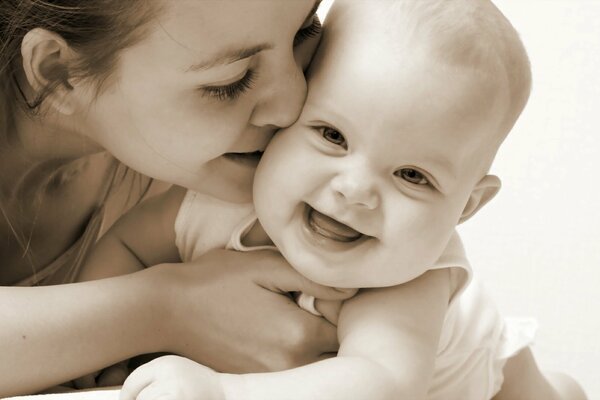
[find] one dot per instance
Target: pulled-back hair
(95, 29)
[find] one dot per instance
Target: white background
(537, 245)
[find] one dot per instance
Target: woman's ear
(484, 191)
(46, 58)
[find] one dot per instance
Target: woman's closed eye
(230, 91)
(412, 175)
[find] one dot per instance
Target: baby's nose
(356, 189)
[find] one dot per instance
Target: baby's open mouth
(330, 228)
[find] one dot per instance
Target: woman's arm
(52, 334)
(388, 345)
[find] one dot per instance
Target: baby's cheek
(330, 309)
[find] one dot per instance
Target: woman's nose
(283, 97)
(356, 188)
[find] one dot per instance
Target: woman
(185, 92)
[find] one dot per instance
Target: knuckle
(297, 338)
(302, 337)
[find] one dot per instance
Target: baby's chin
(323, 275)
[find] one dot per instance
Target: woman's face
(195, 101)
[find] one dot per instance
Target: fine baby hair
(472, 35)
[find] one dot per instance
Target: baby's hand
(172, 377)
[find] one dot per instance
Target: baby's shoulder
(204, 222)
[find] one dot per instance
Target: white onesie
(475, 340)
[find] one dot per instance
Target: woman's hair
(95, 29)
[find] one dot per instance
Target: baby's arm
(524, 380)
(143, 237)
(388, 342)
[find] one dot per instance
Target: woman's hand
(231, 311)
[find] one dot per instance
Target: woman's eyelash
(233, 90)
(309, 32)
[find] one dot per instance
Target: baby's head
(407, 105)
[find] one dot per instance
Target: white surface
(85, 395)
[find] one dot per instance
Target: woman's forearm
(52, 334)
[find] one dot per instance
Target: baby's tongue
(330, 228)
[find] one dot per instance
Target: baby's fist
(172, 377)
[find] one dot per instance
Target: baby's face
(365, 189)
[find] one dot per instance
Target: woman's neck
(36, 151)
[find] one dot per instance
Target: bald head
(468, 35)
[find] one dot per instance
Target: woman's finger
(86, 382)
(114, 375)
(326, 356)
(283, 278)
(326, 335)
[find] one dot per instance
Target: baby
(407, 105)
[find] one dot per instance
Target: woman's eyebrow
(230, 56)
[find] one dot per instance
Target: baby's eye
(412, 175)
(335, 137)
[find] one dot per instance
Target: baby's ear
(46, 57)
(484, 191)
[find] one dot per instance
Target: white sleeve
(186, 228)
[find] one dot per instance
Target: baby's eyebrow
(230, 56)
(441, 166)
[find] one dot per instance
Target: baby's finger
(154, 392)
(136, 382)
